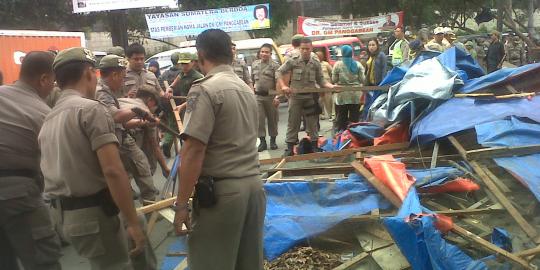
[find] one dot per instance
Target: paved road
(161, 237)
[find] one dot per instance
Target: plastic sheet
(421, 243)
(396, 134)
(460, 114)
(298, 210)
(497, 77)
(392, 174)
(515, 132)
(424, 87)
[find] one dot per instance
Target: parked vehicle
(332, 48)
(15, 44)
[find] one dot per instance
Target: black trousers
(346, 114)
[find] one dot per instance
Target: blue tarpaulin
(454, 59)
(459, 114)
(298, 210)
(421, 243)
(515, 132)
(435, 176)
(499, 76)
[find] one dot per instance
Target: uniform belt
(74, 203)
(261, 93)
(18, 172)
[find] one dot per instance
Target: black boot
(289, 151)
(273, 144)
(262, 145)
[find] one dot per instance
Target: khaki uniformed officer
(180, 87)
(220, 144)
(240, 68)
(137, 75)
(263, 73)
(26, 231)
(81, 166)
(112, 69)
(304, 72)
(146, 136)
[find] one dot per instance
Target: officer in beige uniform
(240, 68)
(304, 72)
(137, 75)
(135, 161)
(220, 151)
(146, 136)
(82, 167)
(264, 75)
(26, 230)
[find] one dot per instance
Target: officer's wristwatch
(182, 206)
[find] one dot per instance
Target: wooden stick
(157, 206)
(177, 116)
(449, 212)
(528, 252)
(307, 90)
(527, 228)
(504, 151)
(318, 170)
(385, 191)
(312, 156)
(489, 246)
(179, 97)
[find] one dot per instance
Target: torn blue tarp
(435, 176)
(365, 131)
(298, 210)
(424, 87)
(421, 243)
(515, 132)
(498, 77)
(460, 114)
(454, 59)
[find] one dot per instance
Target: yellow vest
(397, 53)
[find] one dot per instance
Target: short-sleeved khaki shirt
(241, 70)
(303, 73)
(72, 133)
(134, 80)
(22, 114)
(222, 113)
(264, 75)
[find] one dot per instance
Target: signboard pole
(118, 25)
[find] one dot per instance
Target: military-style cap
(297, 37)
(469, 44)
(113, 61)
(185, 58)
(75, 54)
(150, 90)
(438, 30)
(116, 50)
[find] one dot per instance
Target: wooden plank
(473, 222)
(479, 203)
(497, 181)
(434, 155)
(177, 116)
(356, 259)
(157, 206)
(489, 246)
(306, 90)
(450, 212)
(527, 228)
(182, 265)
(319, 170)
(458, 147)
(312, 156)
(152, 222)
(385, 191)
(494, 152)
(528, 252)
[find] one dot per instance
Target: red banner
(342, 27)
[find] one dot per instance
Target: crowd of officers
(489, 52)
(71, 141)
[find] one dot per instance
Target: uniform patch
(192, 100)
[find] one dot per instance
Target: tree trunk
(500, 15)
(530, 15)
(118, 26)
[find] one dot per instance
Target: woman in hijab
(347, 72)
(153, 66)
